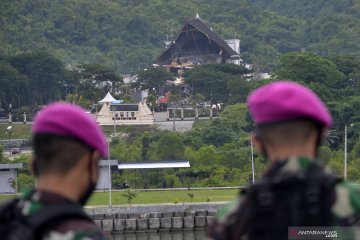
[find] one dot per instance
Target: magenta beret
(284, 100)
(69, 120)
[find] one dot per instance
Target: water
(186, 235)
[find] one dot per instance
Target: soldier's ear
(33, 167)
(94, 161)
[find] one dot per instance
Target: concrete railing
(23, 143)
(185, 217)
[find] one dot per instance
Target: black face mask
(91, 187)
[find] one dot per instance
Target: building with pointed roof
(197, 44)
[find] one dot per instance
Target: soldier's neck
(66, 186)
(277, 154)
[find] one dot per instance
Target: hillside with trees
(127, 35)
(219, 149)
(75, 50)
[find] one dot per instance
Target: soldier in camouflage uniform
(295, 190)
(67, 144)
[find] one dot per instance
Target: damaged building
(198, 44)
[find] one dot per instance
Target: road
(14, 123)
(180, 126)
(163, 124)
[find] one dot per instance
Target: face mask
(91, 187)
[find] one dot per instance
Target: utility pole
(174, 119)
(114, 123)
(110, 202)
(345, 154)
(345, 150)
(9, 132)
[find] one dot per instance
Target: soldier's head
(66, 140)
(290, 120)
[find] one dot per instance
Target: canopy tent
(107, 99)
(152, 165)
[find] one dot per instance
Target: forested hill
(311, 8)
(129, 34)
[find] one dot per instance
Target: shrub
(129, 195)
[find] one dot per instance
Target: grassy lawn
(179, 196)
(24, 130)
(17, 131)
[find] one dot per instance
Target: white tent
(107, 99)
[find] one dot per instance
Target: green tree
(206, 156)
(218, 133)
(238, 89)
(196, 99)
(154, 79)
(151, 101)
(319, 73)
(25, 182)
(126, 152)
(237, 116)
(175, 99)
(191, 196)
(96, 73)
(93, 81)
(128, 195)
(170, 147)
(325, 154)
(46, 74)
(355, 152)
(211, 80)
(235, 156)
(13, 86)
(336, 164)
(353, 174)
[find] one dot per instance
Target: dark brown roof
(226, 51)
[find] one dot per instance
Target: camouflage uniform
(73, 229)
(345, 201)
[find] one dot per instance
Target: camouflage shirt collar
(44, 196)
(288, 166)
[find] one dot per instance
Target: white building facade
(115, 112)
(104, 182)
(8, 177)
(235, 45)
